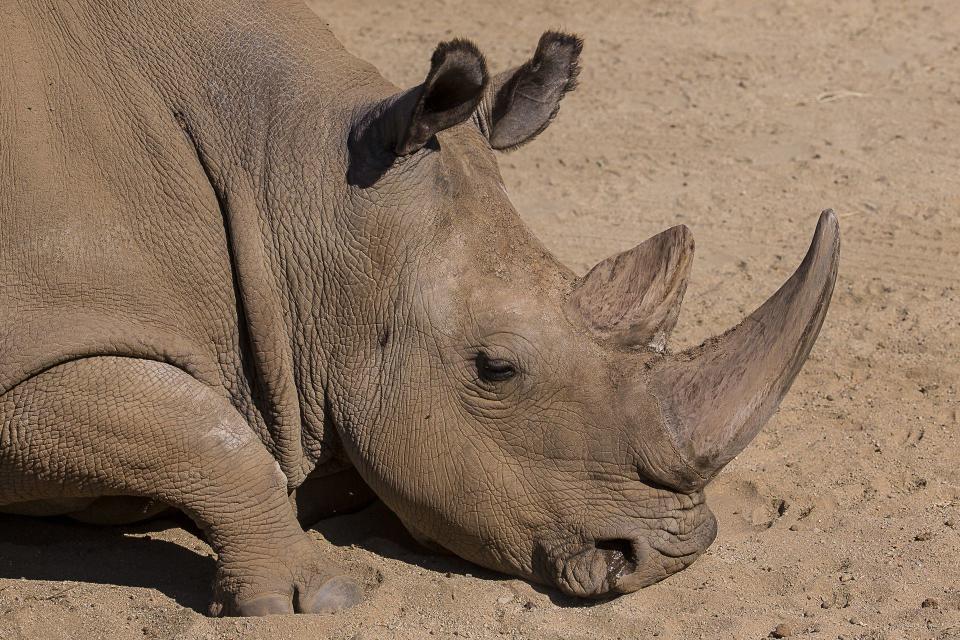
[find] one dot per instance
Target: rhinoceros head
(514, 414)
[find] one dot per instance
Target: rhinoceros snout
(614, 565)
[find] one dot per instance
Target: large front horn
(716, 397)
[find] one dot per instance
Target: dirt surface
(741, 120)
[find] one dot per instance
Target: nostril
(620, 556)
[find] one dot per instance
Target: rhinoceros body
(235, 260)
(126, 231)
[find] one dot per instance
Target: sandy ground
(741, 120)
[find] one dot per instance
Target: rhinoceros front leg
(122, 426)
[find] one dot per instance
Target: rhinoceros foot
(302, 582)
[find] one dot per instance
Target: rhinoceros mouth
(611, 565)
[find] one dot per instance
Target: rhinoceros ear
(520, 103)
(406, 122)
(633, 298)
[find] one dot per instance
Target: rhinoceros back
(111, 241)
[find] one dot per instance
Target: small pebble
(930, 603)
(783, 630)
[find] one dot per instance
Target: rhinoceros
(244, 276)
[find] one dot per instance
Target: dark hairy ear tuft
(521, 103)
(561, 48)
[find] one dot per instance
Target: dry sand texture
(742, 120)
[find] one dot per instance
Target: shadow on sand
(62, 549)
(376, 529)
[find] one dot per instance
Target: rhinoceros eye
(494, 370)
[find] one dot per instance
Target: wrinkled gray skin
(238, 268)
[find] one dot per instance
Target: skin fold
(244, 276)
